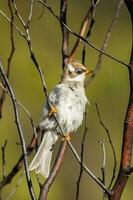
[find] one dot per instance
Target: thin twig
(104, 160)
(2, 97)
(17, 13)
(105, 42)
(82, 157)
(83, 39)
(45, 1)
(20, 131)
(87, 170)
(31, 12)
(94, 4)
(3, 148)
(111, 144)
(16, 187)
(14, 25)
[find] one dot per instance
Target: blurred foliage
(110, 90)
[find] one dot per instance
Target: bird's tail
(42, 159)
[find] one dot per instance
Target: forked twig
(111, 144)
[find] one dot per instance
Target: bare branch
(65, 33)
(18, 124)
(82, 157)
(83, 39)
(14, 25)
(31, 12)
(3, 148)
(104, 160)
(105, 42)
(2, 97)
(111, 144)
(87, 22)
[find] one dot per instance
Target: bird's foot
(52, 111)
(66, 137)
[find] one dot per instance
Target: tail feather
(41, 161)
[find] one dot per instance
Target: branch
(83, 39)
(2, 97)
(127, 143)
(3, 148)
(104, 160)
(18, 124)
(86, 23)
(105, 42)
(65, 33)
(82, 157)
(111, 144)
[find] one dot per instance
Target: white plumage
(69, 99)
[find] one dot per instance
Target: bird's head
(75, 71)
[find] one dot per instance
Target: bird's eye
(78, 70)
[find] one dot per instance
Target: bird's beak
(88, 71)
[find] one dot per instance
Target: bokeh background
(110, 90)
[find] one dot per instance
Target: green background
(110, 89)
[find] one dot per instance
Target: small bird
(68, 101)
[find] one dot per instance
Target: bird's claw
(52, 110)
(66, 137)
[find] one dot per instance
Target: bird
(68, 102)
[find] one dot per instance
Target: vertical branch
(65, 33)
(18, 124)
(127, 143)
(3, 148)
(2, 97)
(82, 157)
